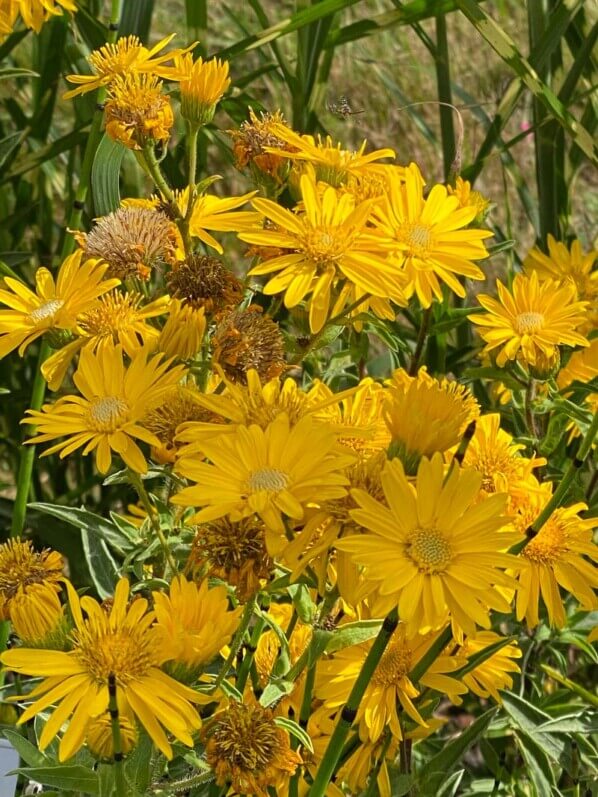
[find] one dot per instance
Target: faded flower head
(250, 142)
(138, 114)
(204, 281)
(246, 339)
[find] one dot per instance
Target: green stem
(530, 418)
(238, 640)
(245, 667)
(421, 339)
(561, 491)
(119, 773)
(192, 148)
(304, 714)
(153, 168)
(39, 385)
(335, 746)
(137, 482)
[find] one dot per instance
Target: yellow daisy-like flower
(390, 684)
(245, 747)
(582, 366)
(34, 13)
(127, 56)
(202, 84)
(326, 244)
(123, 644)
(494, 454)
(468, 198)
(215, 213)
(138, 114)
(566, 264)
(194, 624)
(22, 570)
(429, 237)
(443, 410)
(530, 321)
(555, 557)
(37, 618)
(433, 551)
(333, 164)
(183, 332)
(487, 678)
(54, 305)
(99, 736)
(271, 472)
(107, 415)
(115, 318)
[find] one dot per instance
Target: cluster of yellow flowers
(399, 494)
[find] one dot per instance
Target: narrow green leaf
(196, 12)
(275, 691)
(443, 762)
(28, 752)
(506, 48)
(138, 765)
(8, 145)
(136, 18)
(7, 72)
(102, 567)
(353, 634)
(538, 765)
(88, 521)
(73, 777)
(296, 731)
(483, 655)
(451, 785)
(304, 605)
(105, 174)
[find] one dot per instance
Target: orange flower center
(394, 665)
(127, 654)
(46, 310)
(548, 546)
(527, 323)
(108, 413)
(270, 479)
(429, 550)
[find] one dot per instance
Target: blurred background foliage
(522, 76)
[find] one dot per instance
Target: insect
(342, 108)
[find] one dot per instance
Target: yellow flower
(246, 340)
(531, 320)
(568, 265)
(555, 557)
(468, 198)
(137, 113)
(268, 652)
(178, 405)
(232, 551)
(202, 84)
(271, 473)
(493, 674)
(54, 305)
(132, 240)
(37, 618)
(183, 332)
(127, 56)
(99, 736)
(255, 144)
(333, 164)
(115, 318)
(428, 237)
(33, 12)
(204, 281)
(425, 415)
(433, 551)
(581, 367)
(107, 415)
(326, 244)
(214, 213)
(123, 644)
(390, 683)
(494, 454)
(22, 569)
(194, 623)
(245, 747)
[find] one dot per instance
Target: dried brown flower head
(250, 142)
(247, 339)
(179, 405)
(132, 240)
(204, 281)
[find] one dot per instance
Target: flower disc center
(46, 310)
(418, 238)
(529, 322)
(429, 550)
(270, 479)
(108, 413)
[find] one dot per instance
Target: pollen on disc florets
(138, 114)
(132, 240)
(126, 653)
(204, 281)
(246, 339)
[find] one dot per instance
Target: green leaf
(8, 145)
(443, 762)
(7, 72)
(528, 718)
(538, 765)
(400, 784)
(73, 778)
(105, 174)
(304, 605)
(102, 567)
(296, 731)
(88, 521)
(196, 13)
(136, 18)
(138, 765)
(28, 752)
(451, 785)
(481, 656)
(353, 634)
(275, 691)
